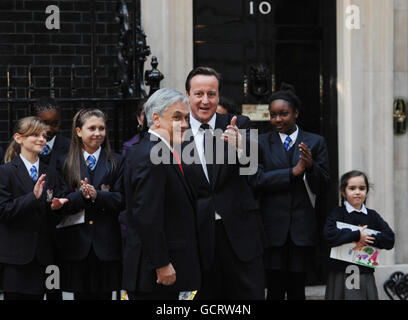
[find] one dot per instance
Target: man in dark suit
(57, 147)
(228, 218)
(161, 252)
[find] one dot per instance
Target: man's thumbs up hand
(232, 135)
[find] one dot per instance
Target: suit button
(90, 222)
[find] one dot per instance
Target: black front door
(292, 41)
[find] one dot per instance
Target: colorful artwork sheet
(367, 256)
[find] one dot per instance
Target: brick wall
(25, 40)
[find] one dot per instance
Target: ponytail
(25, 127)
(12, 151)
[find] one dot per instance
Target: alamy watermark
(225, 153)
(353, 280)
(53, 280)
(53, 20)
(352, 17)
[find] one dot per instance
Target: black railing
(128, 85)
(396, 286)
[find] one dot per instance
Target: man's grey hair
(161, 100)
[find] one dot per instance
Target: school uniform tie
(45, 151)
(208, 135)
(34, 174)
(91, 162)
(287, 142)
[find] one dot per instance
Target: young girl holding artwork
(28, 191)
(90, 248)
(354, 188)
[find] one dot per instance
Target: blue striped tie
(46, 150)
(287, 142)
(34, 174)
(91, 162)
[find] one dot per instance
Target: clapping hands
(88, 190)
(56, 203)
(305, 161)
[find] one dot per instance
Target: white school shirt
(293, 136)
(28, 165)
(96, 154)
(350, 208)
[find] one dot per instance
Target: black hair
(207, 71)
(346, 177)
(286, 92)
(229, 105)
(46, 103)
(139, 107)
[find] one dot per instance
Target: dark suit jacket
(101, 229)
(58, 154)
(26, 223)
(284, 201)
(161, 226)
(231, 197)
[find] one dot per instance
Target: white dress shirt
(199, 141)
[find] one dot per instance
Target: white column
(365, 99)
(168, 25)
(401, 142)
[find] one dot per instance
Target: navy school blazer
(161, 225)
(284, 202)
(27, 223)
(101, 229)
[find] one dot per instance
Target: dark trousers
(153, 295)
(22, 296)
(230, 278)
(281, 282)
